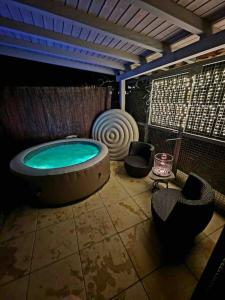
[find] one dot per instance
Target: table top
(163, 178)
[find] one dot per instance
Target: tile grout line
(118, 232)
(79, 252)
(127, 255)
(192, 273)
(32, 253)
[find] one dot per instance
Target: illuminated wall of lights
(207, 108)
(169, 101)
(195, 104)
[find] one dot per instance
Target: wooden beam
(21, 44)
(208, 44)
(174, 13)
(19, 53)
(67, 40)
(184, 42)
(57, 9)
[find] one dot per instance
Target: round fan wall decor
(116, 129)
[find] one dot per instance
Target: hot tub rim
(17, 165)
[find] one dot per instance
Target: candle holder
(162, 164)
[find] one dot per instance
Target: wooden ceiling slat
(84, 5)
(184, 2)
(136, 19)
(113, 43)
(107, 8)
(120, 45)
(15, 13)
(67, 28)
(38, 20)
(4, 11)
(58, 25)
(106, 41)
(128, 16)
(75, 31)
(89, 21)
(195, 4)
(145, 22)
(84, 34)
(161, 28)
(155, 24)
(118, 11)
(72, 3)
(208, 7)
(169, 32)
(175, 14)
(26, 16)
(96, 6)
(48, 22)
(99, 39)
(138, 51)
(92, 36)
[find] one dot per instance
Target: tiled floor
(104, 247)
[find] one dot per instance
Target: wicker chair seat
(183, 213)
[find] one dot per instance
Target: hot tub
(64, 170)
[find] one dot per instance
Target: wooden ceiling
(117, 37)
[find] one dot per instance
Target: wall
(205, 158)
(31, 115)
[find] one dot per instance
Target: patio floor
(104, 247)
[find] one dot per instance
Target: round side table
(156, 179)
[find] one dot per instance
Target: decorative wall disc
(116, 129)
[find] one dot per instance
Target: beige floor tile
(215, 235)
(200, 237)
(53, 243)
(173, 185)
(107, 269)
(125, 213)
(216, 222)
(170, 283)
(136, 292)
(93, 227)
(57, 280)
(136, 186)
(144, 201)
(52, 216)
(143, 247)
(15, 257)
(112, 192)
(16, 290)
(92, 202)
(199, 256)
(20, 221)
(117, 168)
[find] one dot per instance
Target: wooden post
(122, 92)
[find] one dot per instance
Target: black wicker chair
(140, 159)
(183, 214)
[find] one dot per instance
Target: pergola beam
(91, 22)
(67, 40)
(33, 56)
(174, 13)
(206, 45)
(78, 57)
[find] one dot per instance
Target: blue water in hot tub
(61, 155)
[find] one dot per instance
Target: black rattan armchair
(183, 214)
(140, 159)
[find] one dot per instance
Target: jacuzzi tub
(61, 172)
